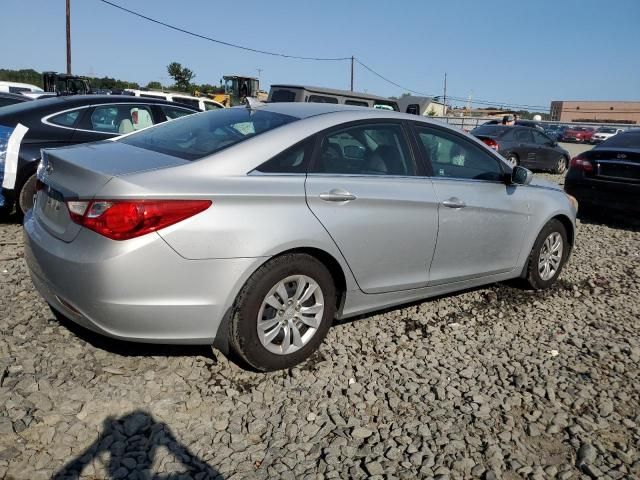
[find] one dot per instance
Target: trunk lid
(616, 164)
(80, 172)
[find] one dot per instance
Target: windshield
(623, 140)
(196, 136)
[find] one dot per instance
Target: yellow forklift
(235, 89)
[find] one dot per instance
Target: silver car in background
(255, 227)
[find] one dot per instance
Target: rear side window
(283, 96)
(18, 89)
(211, 106)
(293, 160)
(66, 119)
(197, 136)
(322, 99)
(453, 157)
(523, 135)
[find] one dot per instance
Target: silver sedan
(253, 228)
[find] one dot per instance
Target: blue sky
(513, 51)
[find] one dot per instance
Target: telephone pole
(444, 101)
(352, 73)
(68, 37)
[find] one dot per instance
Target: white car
(605, 133)
(201, 103)
(16, 87)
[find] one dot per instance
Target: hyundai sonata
(255, 227)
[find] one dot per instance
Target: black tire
(25, 195)
(561, 165)
(243, 335)
(513, 159)
(533, 278)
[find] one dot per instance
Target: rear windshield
(196, 136)
(623, 140)
(491, 130)
(606, 130)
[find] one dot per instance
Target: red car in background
(577, 134)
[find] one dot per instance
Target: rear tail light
(125, 219)
(581, 163)
(491, 143)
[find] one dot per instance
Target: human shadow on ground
(132, 442)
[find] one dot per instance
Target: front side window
(540, 139)
(121, 119)
(378, 149)
(523, 135)
(66, 119)
(453, 157)
(197, 136)
(322, 99)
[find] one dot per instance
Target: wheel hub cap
(550, 256)
(290, 314)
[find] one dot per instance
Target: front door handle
(337, 195)
(454, 202)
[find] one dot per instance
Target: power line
(323, 59)
(221, 42)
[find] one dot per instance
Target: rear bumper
(138, 290)
(601, 193)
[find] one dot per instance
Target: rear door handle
(337, 195)
(454, 202)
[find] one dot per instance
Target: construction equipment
(235, 89)
(64, 84)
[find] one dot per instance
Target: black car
(608, 175)
(521, 123)
(68, 120)
(12, 98)
(524, 146)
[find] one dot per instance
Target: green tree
(154, 85)
(181, 75)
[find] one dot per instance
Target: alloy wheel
(550, 257)
(290, 314)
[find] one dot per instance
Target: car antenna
(252, 103)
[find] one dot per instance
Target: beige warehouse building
(601, 111)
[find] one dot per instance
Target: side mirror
(521, 176)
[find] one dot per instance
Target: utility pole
(444, 101)
(68, 37)
(352, 72)
(259, 71)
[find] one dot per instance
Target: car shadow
(132, 443)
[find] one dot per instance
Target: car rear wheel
(513, 159)
(283, 312)
(561, 165)
(548, 256)
(25, 195)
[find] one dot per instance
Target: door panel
(387, 233)
(482, 238)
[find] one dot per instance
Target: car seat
(386, 159)
(125, 126)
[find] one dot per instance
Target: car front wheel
(548, 256)
(283, 312)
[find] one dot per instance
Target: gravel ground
(491, 383)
